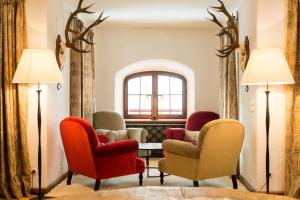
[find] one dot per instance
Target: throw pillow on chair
(191, 136)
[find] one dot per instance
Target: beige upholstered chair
(216, 153)
(113, 124)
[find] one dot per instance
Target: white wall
(117, 48)
(267, 30)
(248, 165)
(46, 19)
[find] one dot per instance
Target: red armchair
(193, 124)
(88, 154)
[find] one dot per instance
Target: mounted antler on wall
(79, 36)
(231, 30)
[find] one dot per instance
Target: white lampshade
(37, 66)
(267, 66)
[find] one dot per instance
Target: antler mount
(80, 35)
(229, 29)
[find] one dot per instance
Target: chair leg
(234, 181)
(196, 183)
(161, 178)
(70, 174)
(97, 185)
(141, 179)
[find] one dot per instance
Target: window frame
(154, 98)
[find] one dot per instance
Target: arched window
(155, 95)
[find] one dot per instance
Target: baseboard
(247, 185)
(51, 186)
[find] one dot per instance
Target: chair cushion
(191, 136)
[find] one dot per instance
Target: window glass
(155, 95)
(146, 85)
(176, 104)
(133, 104)
(176, 85)
(134, 86)
(163, 84)
(163, 104)
(145, 105)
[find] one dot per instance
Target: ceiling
(149, 12)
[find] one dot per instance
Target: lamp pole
(267, 91)
(39, 120)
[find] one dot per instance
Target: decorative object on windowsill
(267, 67)
(232, 31)
(38, 66)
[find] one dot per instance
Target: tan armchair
(113, 125)
(215, 155)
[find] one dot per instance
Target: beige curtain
(88, 78)
(14, 159)
(82, 77)
(76, 60)
(292, 147)
(228, 95)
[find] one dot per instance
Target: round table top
(150, 146)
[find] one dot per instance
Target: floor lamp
(38, 66)
(267, 67)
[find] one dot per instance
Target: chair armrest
(102, 138)
(175, 133)
(114, 148)
(139, 134)
(181, 148)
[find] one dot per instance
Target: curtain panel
(82, 76)
(228, 96)
(292, 145)
(76, 60)
(88, 80)
(15, 169)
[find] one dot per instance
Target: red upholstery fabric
(140, 165)
(197, 120)
(175, 133)
(124, 146)
(94, 142)
(87, 156)
(102, 138)
(194, 123)
(77, 147)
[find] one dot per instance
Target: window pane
(163, 104)
(146, 85)
(163, 85)
(133, 104)
(176, 85)
(145, 104)
(176, 104)
(134, 86)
